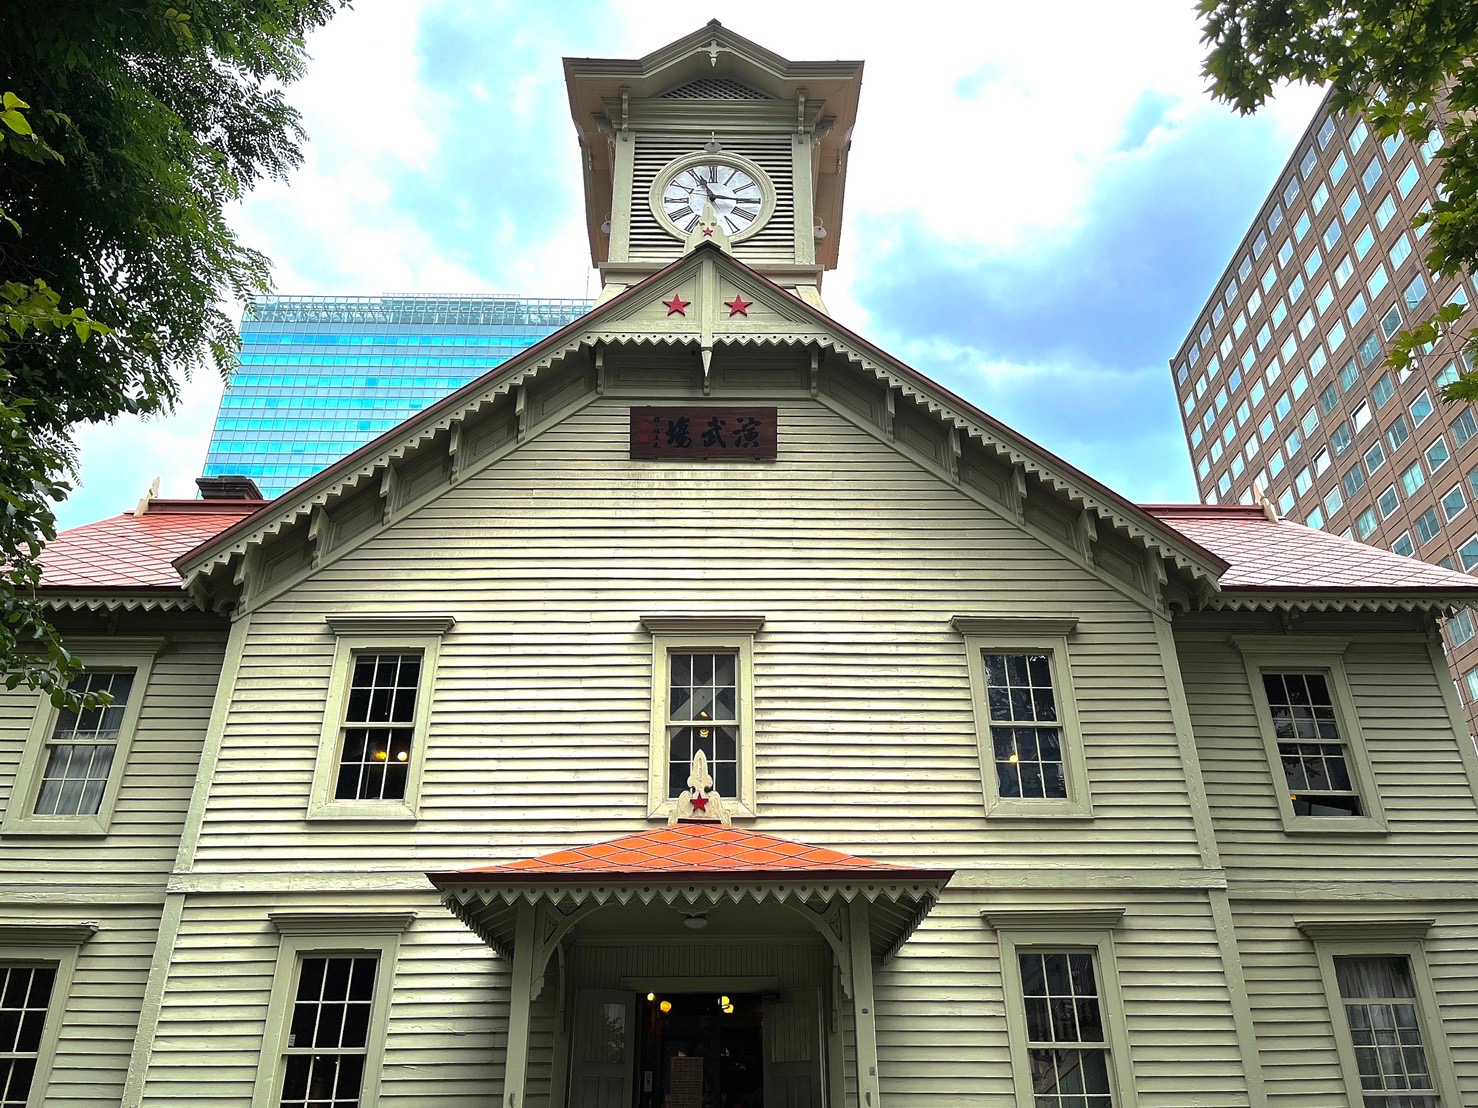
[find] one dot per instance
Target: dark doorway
(700, 1050)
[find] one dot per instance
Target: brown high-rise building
(1282, 381)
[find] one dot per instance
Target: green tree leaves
(125, 131)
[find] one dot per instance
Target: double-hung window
(702, 700)
(376, 716)
(73, 765)
(36, 962)
(1383, 1007)
(1026, 720)
(327, 1015)
(1063, 1016)
(1321, 773)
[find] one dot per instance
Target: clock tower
(714, 136)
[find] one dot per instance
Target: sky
(1040, 198)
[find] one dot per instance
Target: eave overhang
(1373, 599)
(129, 600)
(604, 325)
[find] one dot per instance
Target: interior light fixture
(666, 1006)
(651, 996)
(696, 923)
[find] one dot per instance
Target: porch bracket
(550, 928)
(831, 925)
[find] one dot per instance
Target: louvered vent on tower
(714, 88)
(775, 242)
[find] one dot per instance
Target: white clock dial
(736, 197)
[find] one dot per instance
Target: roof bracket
(454, 453)
(707, 355)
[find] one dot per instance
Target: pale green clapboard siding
(548, 559)
(101, 1011)
(1414, 756)
(941, 1008)
(126, 868)
(157, 780)
(1295, 1020)
(447, 1022)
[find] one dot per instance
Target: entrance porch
(694, 966)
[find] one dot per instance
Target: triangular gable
(704, 283)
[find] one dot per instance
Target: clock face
(736, 197)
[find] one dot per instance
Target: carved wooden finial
(699, 802)
(709, 229)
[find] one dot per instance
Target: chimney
(230, 486)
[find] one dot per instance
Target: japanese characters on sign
(703, 432)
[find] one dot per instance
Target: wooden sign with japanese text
(704, 432)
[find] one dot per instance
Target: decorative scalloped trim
(102, 603)
(465, 900)
(1266, 602)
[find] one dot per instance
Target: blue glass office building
(322, 375)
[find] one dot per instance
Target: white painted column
(516, 1061)
(864, 1014)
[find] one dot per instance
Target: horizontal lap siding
(102, 1005)
(447, 1023)
(1294, 1018)
(154, 796)
(941, 1006)
(541, 715)
(1414, 755)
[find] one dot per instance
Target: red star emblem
(738, 306)
(700, 803)
(708, 230)
(677, 305)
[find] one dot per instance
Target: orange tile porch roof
(130, 552)
(691, 850)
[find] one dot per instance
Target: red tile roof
(686, 850)
(136, 552)
(1267, 557)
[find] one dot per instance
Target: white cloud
(988, 125)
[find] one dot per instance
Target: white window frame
(1283, 654)
(136, 654)
(375, 634)
(1027, 635)
(46, 944)
(1064, 930)
(696, 633)
(307, 934)
(1382, 937)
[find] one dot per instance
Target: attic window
(714, 88)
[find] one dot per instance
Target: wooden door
(602, 1049)
(793, 1050)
